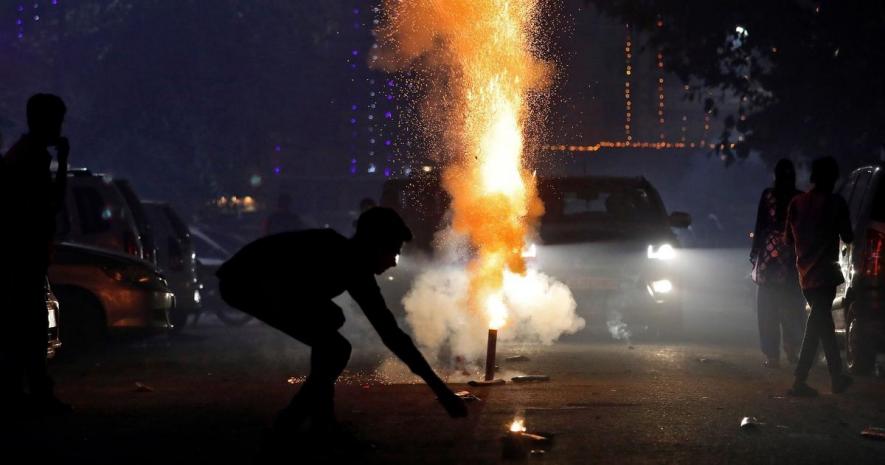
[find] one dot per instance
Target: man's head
(46, 113)
(366, 203)
(784, 174)
(824, 173)
(380, 234)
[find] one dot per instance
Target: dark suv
(609, 239)
(859, 308)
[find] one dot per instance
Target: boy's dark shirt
(815, 222)
(30, 202)
(319, 265)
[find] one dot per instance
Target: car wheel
(178, 318)
(83, 325)
(861, 359)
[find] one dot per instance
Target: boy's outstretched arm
(369, 298)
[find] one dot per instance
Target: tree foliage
(793, 78)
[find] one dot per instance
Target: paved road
(212, 392)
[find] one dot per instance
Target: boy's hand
(454, 405)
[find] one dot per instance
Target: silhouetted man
(31, 199)
(815, 222)
(282, 219)
(288, 281)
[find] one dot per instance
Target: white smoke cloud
(541, 309)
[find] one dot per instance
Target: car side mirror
(680, 220)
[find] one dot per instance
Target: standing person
(31, 199)
(282, 219)
(288, 280)
(780, 306)
(816, 220)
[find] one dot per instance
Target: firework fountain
(485, 49)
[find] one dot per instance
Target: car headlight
(663, 286)
(662, 252)
(531, 251)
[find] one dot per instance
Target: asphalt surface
(209, 397)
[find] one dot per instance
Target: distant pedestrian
(31, 197)
(816, 220)
(780, 306)
(282, 219)
(288, 281)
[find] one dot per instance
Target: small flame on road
(518, 426)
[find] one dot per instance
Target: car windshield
(601, 204)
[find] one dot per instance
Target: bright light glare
(530, 252)
(741, 31)
(497, 311)
(663, 252)
(518, 426)
(663, 286)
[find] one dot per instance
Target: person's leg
(769, 331)
(11, 341)
(792, 318)
(316, 325)
(828, 334)
(328, 358)
(810, 341)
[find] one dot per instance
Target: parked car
(859, 307)
(175, 258)
(609, 239)
(52, 308)
(104, 291)
(142, 223)
(211, 251)
(96, 213)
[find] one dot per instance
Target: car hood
(610, 232)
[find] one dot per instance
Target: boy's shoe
(802, 390)
(841, 383)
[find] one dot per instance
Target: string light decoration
(628, 73)
(684, 128)
(707, 113)
(742, 116)
(659, 67)
(372, 107)
(661, 145)
(28, 12)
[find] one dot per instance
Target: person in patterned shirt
(780, 306)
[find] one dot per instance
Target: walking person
(816, 220)
(283, 219)
(780, 306)
(288, 281)
(31, 198)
